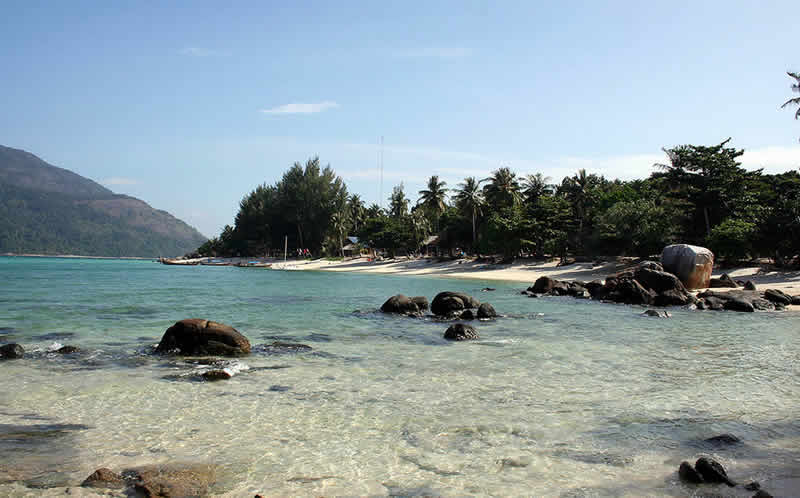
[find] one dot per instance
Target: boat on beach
(178, 262)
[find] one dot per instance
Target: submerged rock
(68, 350)
(172, 480)
(11, 351)
(656, 313)
(460, 332)
(198, 337)
(213, 375)
(723, 440)
(104, 478)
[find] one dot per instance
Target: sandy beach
(526, 271)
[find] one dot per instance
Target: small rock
(467, 315)
(104, 478)
(724, 281)
(488, 289)
(656, 313)
(737, 304)
(213, 375)
(749, 285)
(752, 486)
(11, 351)
(460, 332)
(68, 350)
(486, 310)
(421, 302)
(712, 471)
(687, 473)
(533, 295)
(762, 494)
(400, 304)
(723, 439)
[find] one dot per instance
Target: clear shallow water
(560, 397)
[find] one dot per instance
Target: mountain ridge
(45, 209)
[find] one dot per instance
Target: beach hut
(431, 246)
(352, 247)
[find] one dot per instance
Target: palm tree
(339, 224)
(433, 199)
(356, 210)
(420, 225)
(795, 100)
(536, 186)
(502, 189)
(470, 199)
(398, 202)
(578, 189)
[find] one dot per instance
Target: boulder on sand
(197, 337)
(723, 281)
(692, 264)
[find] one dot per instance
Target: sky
(190, 106)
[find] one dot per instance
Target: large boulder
(421, 302)
(631, 292)
(401, 304)
(658, 281)
(460, 332)
(11, 351)
(691, 264)
(198, 337)
(448, 303)
(778, 296)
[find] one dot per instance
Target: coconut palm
(356, 211)
(469, 198)
(434, 198)
(536, 186)
(503, 189)
(795, 100)
(578, 189)
(339, 224)
(398, 202)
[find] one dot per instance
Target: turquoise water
(560, 397)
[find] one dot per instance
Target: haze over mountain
(49, 210)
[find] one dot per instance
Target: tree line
(701, 195)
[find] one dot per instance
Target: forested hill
(50, 210)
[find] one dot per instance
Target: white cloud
(203, 52)
(774, 159)
(301, 108)
(118, 180)
(434, 52)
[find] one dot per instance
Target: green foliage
(732, 239)
(637, 228)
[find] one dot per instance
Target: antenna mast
(380, 156)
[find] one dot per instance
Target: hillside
(49, 210)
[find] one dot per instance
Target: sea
(559, 397)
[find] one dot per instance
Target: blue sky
(189, 106)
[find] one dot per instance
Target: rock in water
(220, 374)
(723, 440)
(656, 313)
(421, 302)
(460, 332)
(777, 296)
(712, 471)
(450, 303)
(400, 304)
(104, 478)
(486, 310)
(687, 474)
(11, 351)
(198, 337)
(691, 264)
(68, 350)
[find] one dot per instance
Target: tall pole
(381, 167)
(285, 246)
